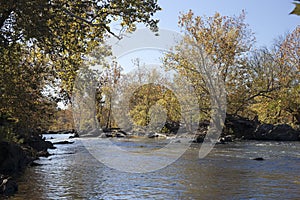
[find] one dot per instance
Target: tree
(67, 30)
(211, 56)
(276, 88)
(23, 94)
(43, 45)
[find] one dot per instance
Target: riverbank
(15, 158)
(235, 128)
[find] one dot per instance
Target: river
(228, 172)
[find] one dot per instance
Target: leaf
(296, 10)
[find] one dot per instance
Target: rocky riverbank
(235, 128)
(14, 158)
(239, 128)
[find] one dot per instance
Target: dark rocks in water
(172, 126)
(76, 135)
(8, 186)
(228, 138)
(243, 128)
(199, 138)
(258, 159)
(105, 133)
(240, 127)
(43, 154)
(63, 142)
(221, 141)
(225, 139)
(120, 134)
(38, 144)
(281, 132)
(156, 135)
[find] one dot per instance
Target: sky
(268, 19)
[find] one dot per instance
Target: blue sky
(268, 19)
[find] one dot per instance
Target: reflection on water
(228, 172)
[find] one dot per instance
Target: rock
(240, 127)
(43, 154)
(258, 159)
(76, 135)
(281, 132)
(37, 143)
(156, 135)
(221, 141)
(199, 138)
(229, 138)
(63, 142)
(120, 135)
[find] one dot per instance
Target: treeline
(260, 83)
(218, 59)
(42, 53)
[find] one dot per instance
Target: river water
(228, 172)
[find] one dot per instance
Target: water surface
(228, 172)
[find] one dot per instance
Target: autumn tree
(275, 81)
(43, 44)
(211, 56)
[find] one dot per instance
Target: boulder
(258, 159)
(76, 135)
(281, 132)
(240, 127)
(199, 138)
(63, 142)
(38, 144)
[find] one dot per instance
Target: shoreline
(15, 158)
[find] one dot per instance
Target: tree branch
(91, 23)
